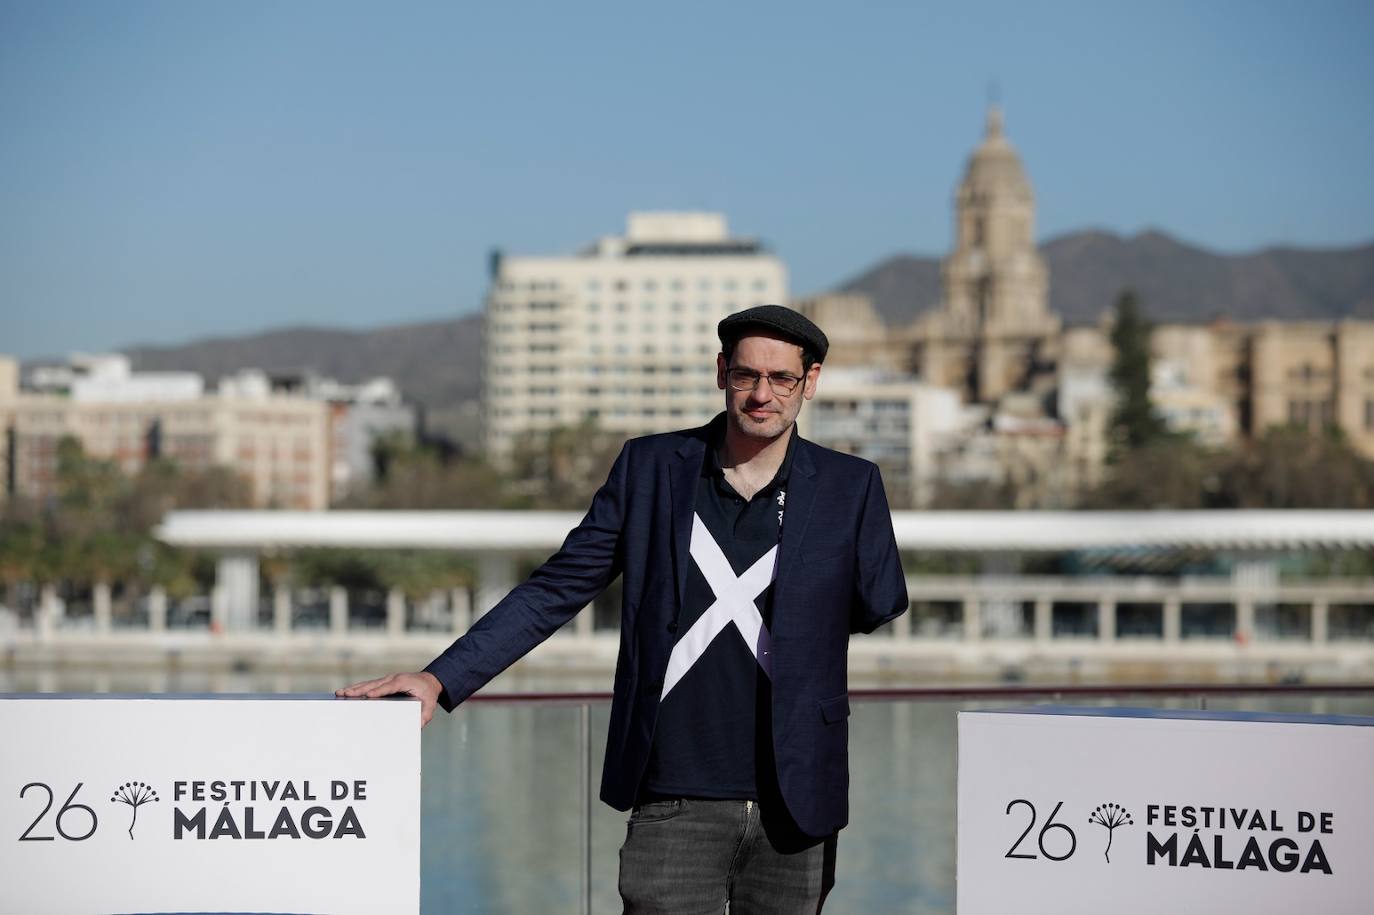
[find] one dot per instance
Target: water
(502, 795)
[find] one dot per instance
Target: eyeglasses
(748, 379)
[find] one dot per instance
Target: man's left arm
(880, 584)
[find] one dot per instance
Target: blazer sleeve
(589, 560)
(880, 585)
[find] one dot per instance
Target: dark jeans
(691, 857)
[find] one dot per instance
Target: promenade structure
(1194, 595)
(621, 333)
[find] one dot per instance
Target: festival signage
(209, 804)
(1090, 810)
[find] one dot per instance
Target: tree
(564, 467)
(1288, 467)
(980, 495)
(96, 525)
(428, 477)
(1134, 421)
(1171, 472)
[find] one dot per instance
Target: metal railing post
(584, 734)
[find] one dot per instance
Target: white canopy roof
(966, 531)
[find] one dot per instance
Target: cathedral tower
(994, 328)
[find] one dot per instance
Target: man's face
(762, 412)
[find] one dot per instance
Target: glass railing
(511, 822)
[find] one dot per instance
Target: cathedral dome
(994, 169)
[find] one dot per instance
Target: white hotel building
(622, 333)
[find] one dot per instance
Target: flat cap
(785, 322)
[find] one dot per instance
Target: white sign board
(299, 804)
(1132, 811)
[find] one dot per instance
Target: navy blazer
(838, 572)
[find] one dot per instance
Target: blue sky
(177, 170)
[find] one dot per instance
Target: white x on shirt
(734, 603)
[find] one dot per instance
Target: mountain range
(436, 363)
(1173, 281)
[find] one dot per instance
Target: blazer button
(672, 627)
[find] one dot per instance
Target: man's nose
(763, 391)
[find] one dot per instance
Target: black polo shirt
(715, 708)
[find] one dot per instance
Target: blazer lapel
(682, 490)
(801, 498)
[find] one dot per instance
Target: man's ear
(720, 370)
(812, 376)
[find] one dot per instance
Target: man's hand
(423, 685)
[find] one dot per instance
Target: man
(749, 555)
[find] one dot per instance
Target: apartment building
(897, 422)
(280, 444)
(622, 333)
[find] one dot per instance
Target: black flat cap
(785, 322)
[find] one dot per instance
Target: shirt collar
(716, 439)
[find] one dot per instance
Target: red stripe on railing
(1027, 691)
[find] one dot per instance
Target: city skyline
(181, 172)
